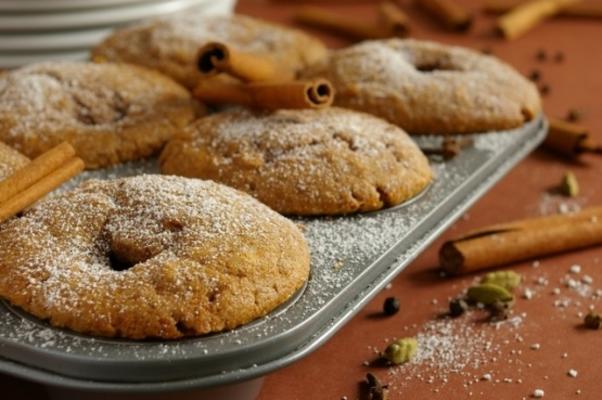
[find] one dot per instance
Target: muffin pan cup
(353, 258)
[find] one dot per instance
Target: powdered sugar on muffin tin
(344, 251)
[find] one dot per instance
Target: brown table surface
(336, 369)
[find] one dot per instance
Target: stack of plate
(37, 30)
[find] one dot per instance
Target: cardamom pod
(569, 185)
(488, 294)
(402, 350)
(509, 280)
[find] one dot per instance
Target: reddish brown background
(335, 369)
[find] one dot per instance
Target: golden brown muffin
(170, 44)
(426, 87)
(151, 256)
(304, 162)
(110, 113)
(10, 161)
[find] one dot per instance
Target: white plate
(8, 60)
(54, 5)
(96, 17)
(52, 41)
(18, 49)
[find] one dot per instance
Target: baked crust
(10, 160)
(110, 113)
(170, 44)
(303, 162)
(430, 88)
(202, 258)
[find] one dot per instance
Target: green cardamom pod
(509, 280)
(569, 185)
(402, 350)
(488, 294)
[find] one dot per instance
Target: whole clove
(376, 390)
(391, 306)
(457, 307)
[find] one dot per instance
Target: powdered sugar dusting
(344, 252)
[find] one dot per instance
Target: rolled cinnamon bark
(395, 20)
(522, 240)
(35, 170)
(527, 15)
(570, 139)
(318, 93)
(215, 57)
(41, 188)
(585, 9)
(452, 15)
(356, 30)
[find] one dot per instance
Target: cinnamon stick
(449, 13)
(39, 189)
(215, 57)
(570, 139)
(521, 240)
(527, 15)
(318, 93)
(396, 21)
(335, 23)
(35, 170)
(585, 9)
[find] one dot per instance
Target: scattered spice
(545, 89)
(528, 294)
(391, 306)
(401, 351)
(457, 307)
(569, 185)
(450, 147)
(499, 310)
(573, 115)
(488, 294)
(376, 390)
(541, 55)
(559, 57)
(538, 393)
(507, 279)
(535, 75)
(593, 321)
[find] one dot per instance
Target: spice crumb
(588, 280)
(528, 294)
(486, 377)
(572, 373)
(575, 269)
(564, 355)
(556, 291)
(578, 391)
(535, 346)
(538, 393)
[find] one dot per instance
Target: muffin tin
(353, 258)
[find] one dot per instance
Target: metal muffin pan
(352, 259)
